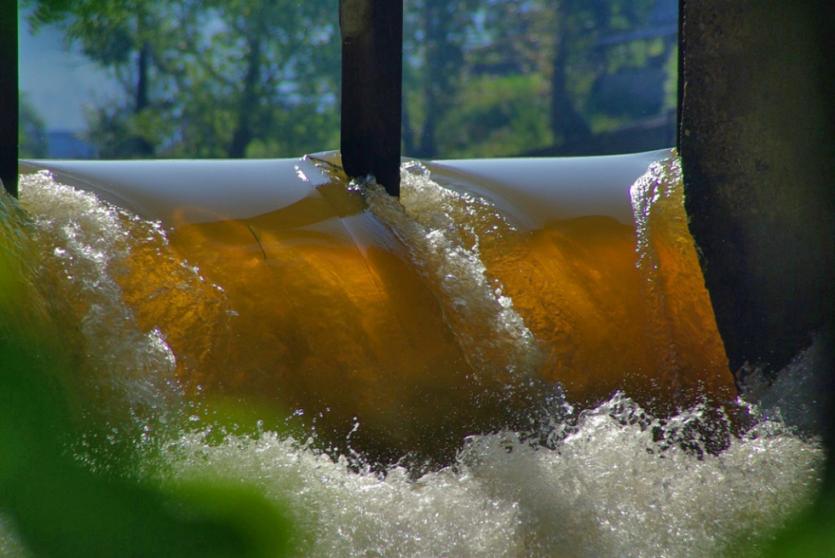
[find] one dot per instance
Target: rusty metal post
(9, 117)
(372, 67)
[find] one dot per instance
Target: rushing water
(606, 478)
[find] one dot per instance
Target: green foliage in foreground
(60, 508)
(811, 534)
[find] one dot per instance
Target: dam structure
(355, 353)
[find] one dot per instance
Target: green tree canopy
(250, 78)
(31, 132)
(208, 79)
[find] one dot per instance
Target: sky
(57, 82)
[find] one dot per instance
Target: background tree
(502, 94)
(565, 48)
(508, 77)
(31, 137)
(251, 78)
(208, 79)
(126, 37)
(435, 34)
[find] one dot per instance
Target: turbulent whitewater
(607, 479)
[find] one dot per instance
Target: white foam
(10, 544)
(85, 242)
(605, 490)
(442, 230)
(661, 185)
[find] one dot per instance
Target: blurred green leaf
(809, 535)
(59, 507)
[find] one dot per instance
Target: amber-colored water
(481, 309)
(351, 310)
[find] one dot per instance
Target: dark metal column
(372, 65)
(8, 95)
(756, 139)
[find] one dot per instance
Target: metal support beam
(372, 67)
(755, 137)
(8, 96)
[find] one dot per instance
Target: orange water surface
(324, 308)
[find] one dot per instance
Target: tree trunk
(408, 137)
(243, 130)
(567, 125)
(427, 147)
(443, 66)
(142, 145)
(435, 48)
(142, 79)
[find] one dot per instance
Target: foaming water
(90, 242)
(612, 480)
(606, 488)
(125, 372)
(442, 230)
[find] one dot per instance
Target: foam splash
(608, 488)
(442, 230)
(656, 190)
(10, 544)
(673, 288)
(85, 244)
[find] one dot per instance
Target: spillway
(471, 371)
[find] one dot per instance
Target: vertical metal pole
(372, 67)
(8, 95)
